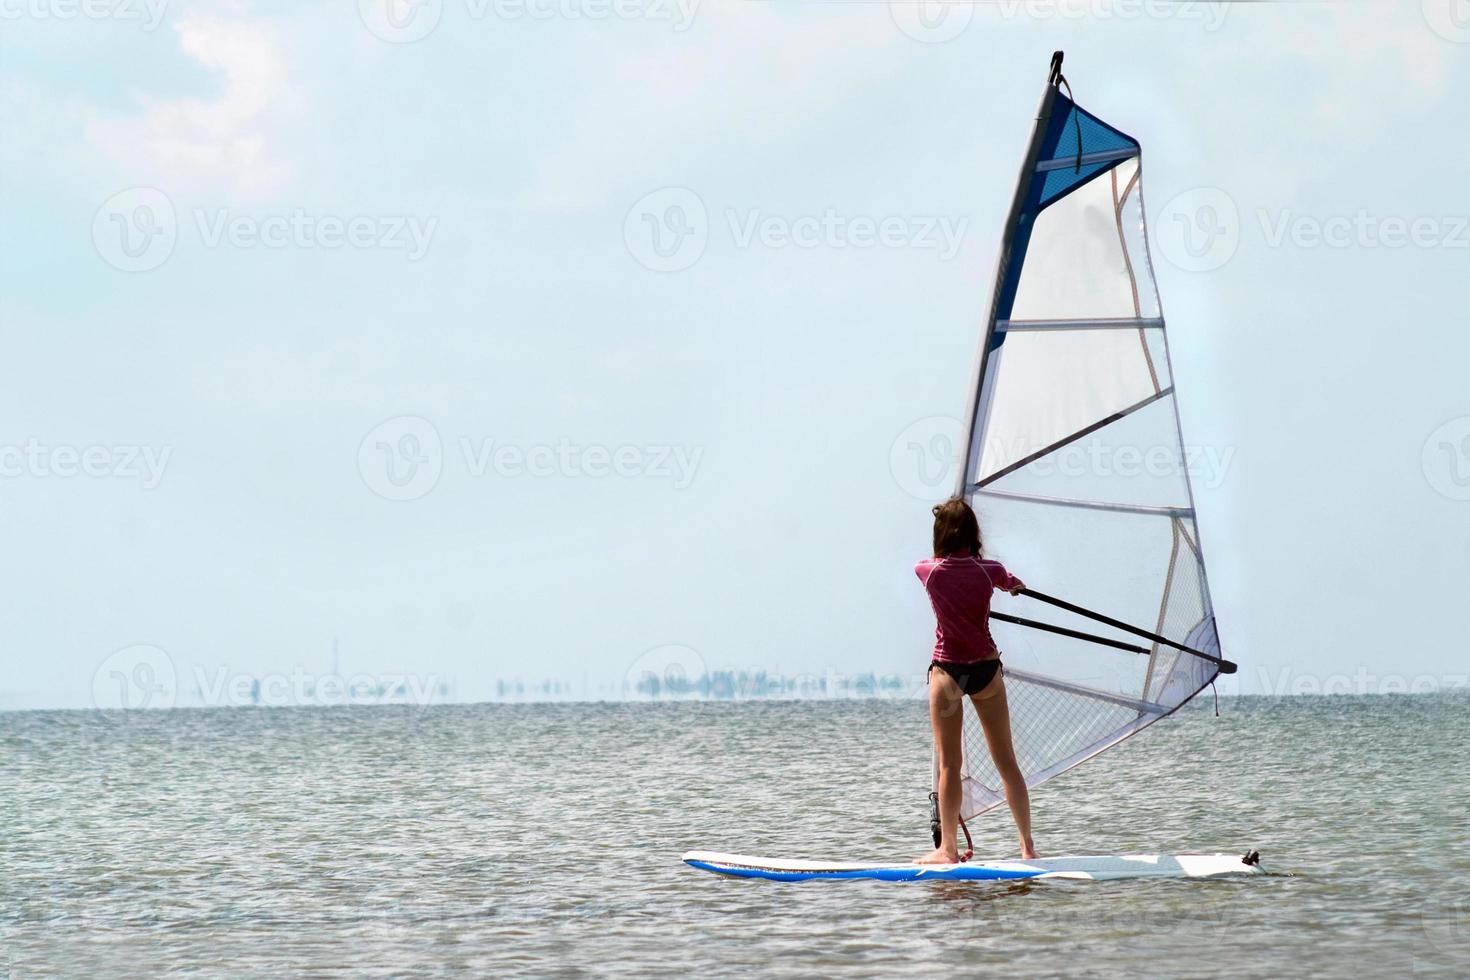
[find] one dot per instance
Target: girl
(967, 665)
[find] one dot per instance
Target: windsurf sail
(1076, 465)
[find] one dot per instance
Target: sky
(397, 346)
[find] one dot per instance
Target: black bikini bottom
(972, 678)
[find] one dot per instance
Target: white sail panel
(1077, 262)
(1050, 385)
(1118, 562)
(1133, 460)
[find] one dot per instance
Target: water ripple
(534, 839)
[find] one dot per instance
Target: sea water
(545, 839)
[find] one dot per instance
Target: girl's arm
(1009, 583)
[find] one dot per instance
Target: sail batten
(1036, 498)
(1101, 156)
(1075, 458)
(1115, 323)
(1142, 707)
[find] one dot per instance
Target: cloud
(743, 67)
(228, 143)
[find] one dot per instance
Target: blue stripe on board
(970, 872)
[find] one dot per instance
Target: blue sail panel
(1078, 147)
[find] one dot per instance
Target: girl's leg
(947, 715)
(995, 721)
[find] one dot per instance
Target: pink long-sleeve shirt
(959, 589)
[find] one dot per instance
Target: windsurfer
(966, 664)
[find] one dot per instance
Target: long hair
(956, 529)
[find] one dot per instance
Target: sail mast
(976, 411)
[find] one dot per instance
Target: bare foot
(940, 856)
(1028, 851)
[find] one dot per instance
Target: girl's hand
(1018, 587)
